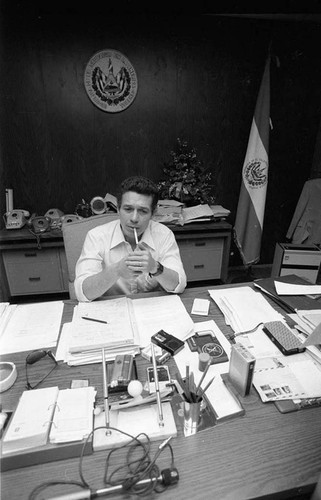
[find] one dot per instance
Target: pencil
(93, 319)
(158, 397)
(203, 376)
(187, 387)
(105, 382)
(136, 237)
(206, 387)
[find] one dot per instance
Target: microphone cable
(139, 475)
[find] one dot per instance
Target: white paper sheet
(290, 289)
(243, 307)
(294, 377)
(32, 326)
(161, 313)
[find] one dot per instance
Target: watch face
(110, 81)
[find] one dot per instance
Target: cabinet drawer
(33, 271)
(202, 258)
(29, 256)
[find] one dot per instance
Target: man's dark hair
(140, 185)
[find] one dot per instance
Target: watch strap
(159, 270)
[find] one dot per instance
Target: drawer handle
(30, 254)
(35, 279)
(199, 266)
(200, 244)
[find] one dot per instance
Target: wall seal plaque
(110, 81)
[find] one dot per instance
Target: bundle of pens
(191, 392)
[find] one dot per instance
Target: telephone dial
(39, 224)
(66, 219)
(55, 217)
(16, 219)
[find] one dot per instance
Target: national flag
(248, 225)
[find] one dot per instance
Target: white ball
(135, 388)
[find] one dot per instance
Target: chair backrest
(74, 234)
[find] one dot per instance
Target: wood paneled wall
(198, 78)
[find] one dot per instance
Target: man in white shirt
(112, 262)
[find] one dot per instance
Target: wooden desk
(261, 454)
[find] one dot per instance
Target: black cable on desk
(134, 470)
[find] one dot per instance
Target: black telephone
(39, 224)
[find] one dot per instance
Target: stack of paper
(122, 326)
(243, 308)
(30, 326)
(220, 212)
(168, 211)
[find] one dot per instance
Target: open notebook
(49, 416)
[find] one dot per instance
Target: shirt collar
(118, 237)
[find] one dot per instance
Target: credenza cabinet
(36, 265)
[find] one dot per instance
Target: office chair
(74, 234)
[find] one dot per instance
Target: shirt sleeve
(90, 262)
(170, 258)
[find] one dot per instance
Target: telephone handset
(16, 219)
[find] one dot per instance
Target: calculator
(283, 337)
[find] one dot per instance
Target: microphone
(167, 477)
(36, 356)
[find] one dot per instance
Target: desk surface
(263, 453)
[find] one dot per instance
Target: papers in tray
(243, 307)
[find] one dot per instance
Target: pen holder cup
(192, 416)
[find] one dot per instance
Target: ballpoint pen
(105, 382)
(158, 397)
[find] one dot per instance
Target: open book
(125, 323)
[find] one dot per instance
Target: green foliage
(185, 177)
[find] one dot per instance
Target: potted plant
(185, 178)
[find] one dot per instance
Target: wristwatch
(159, 270)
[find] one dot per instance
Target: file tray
(43, 454)
(134, 421)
